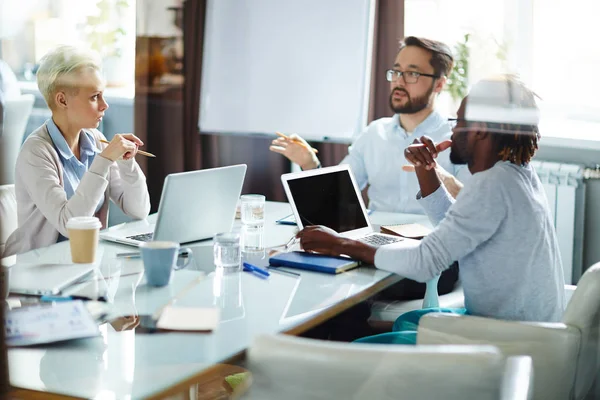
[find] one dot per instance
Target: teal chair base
(407, 337)
(409, 321)
(406, 326)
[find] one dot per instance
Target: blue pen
(254, 268)
(56, 298)
(51, 298)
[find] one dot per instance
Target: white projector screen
(286, 65)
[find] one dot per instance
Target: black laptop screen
(328, 199)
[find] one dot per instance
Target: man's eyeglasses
(409, 76)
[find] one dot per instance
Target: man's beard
(413, 105)
(458, 151)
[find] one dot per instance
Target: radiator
(565, 189)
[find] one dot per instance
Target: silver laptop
(330, 197)
(193, 206)
(46, 279)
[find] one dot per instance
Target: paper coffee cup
(84, 233)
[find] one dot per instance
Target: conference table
(134, 363)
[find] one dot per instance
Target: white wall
(592, 214)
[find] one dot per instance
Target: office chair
(288, 367)
(565, 355)
(16, 113)
(8, 214)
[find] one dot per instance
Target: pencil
(297, 141)
(144, 153)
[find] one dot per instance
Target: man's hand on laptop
(323, 240)
(297, 150)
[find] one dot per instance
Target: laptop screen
(328, 199)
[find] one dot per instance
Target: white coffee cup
(84, 234)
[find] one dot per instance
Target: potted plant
(458, 81)
(105, 33)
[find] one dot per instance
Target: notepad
(194, 319)
(313, 262)
(411, 231)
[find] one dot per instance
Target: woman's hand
(122, 146)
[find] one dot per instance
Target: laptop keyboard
(379, 240)
(143, 237)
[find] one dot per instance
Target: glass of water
(226, 251)
(252, 207)
(252, 242)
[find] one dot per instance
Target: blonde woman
(63, 170)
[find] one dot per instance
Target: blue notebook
(313, 262)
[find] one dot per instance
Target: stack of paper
(411, 231)
(188, 319)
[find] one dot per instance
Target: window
(550, 44)
(565, 57)
(29, 28)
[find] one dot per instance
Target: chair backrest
(299, 368)
(16, 113)
(583, 312)
(8, 213)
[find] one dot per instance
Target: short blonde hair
(58, 64)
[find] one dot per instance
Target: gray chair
(287, 367)
(8, 214)
(16, 113)
(566, 354)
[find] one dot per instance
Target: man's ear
(440, 84)
(60, 99)
(480, 130)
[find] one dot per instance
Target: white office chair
(16, 113)
(565, 355)
(8, 214)
(287, 367)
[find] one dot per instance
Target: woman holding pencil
(65, 168)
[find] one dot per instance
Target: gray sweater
(501, 232)
(42, 205)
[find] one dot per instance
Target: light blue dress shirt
(73, 169)
(376, 158)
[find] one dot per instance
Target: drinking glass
(252, 208)
(226, 251)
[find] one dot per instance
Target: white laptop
(330, 197)
(193, 206)
(46, 279)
